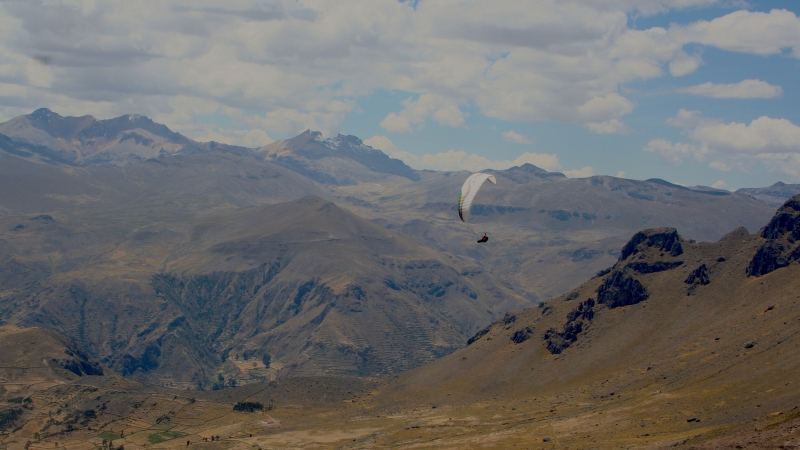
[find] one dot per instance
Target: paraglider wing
(468, 192)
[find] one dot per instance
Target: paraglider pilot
(483, 239)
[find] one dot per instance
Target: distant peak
(44, 113)
(136, 118)
(315, 135)
(350, 139)
(528, 167)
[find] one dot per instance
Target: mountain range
(678, 344)
(177, 262)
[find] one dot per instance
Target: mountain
(97, 235)
(165, 186)
(45, 357)
(773, 195)
(88, 141)
(177, 299)
(677, 343)
(548, 232)
(341, 160)
(45, 136)
(47, 400)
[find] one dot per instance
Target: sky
(697, 92)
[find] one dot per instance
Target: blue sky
(693, 91)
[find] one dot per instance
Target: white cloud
(621, 174)
(684, 65)
(746, 32)
(647, 7)
(434, 106)
(511, 136)
(721, 166)
(675, 153)
(763, 135)
(685, 118)
(773, 142)
(580, 173)
(452, 160)
(609, 127)
(612, 105)
(286, 65)
(788, 163)
(381, 143)
(719, 184)
(742, 89)
(246, 138)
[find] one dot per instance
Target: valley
(149, 284)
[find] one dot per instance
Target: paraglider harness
(483, 239)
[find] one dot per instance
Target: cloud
(580, 173)
(719, 184)
(787, 163)
(647, 7)
(612, 105)
(719, 165)
(442, 110)
(684, 65)
(246, 138)
(381, 143)
(756, 33)
(675, 153)
(620, 174)
(773, 142)
(609, 127)
(453, 160)
(742, 89)
(685, 118)
(285, 65)
(762, 135)
(511, 136)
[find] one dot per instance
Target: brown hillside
(548, 233)
(181, 303)
(674, 346)
(675, 342)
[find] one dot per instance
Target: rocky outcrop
(698, 276)
(621, 289)
(782, 234)
(507, 320)
(658, 266)
(557, 341)
(665, 239)
(78, 363)
(522, 335)
(479, 335)
(577, 320)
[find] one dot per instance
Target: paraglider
(468, 192)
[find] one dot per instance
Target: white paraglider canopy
(468, 192)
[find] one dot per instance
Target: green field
(109, 436)
(163, 436)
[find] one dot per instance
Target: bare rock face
(698, 276)
(621, 289)
(665, 239)
(522, 335)
(577, 320)
(621, 286)
(782, 234)
(658, 266)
